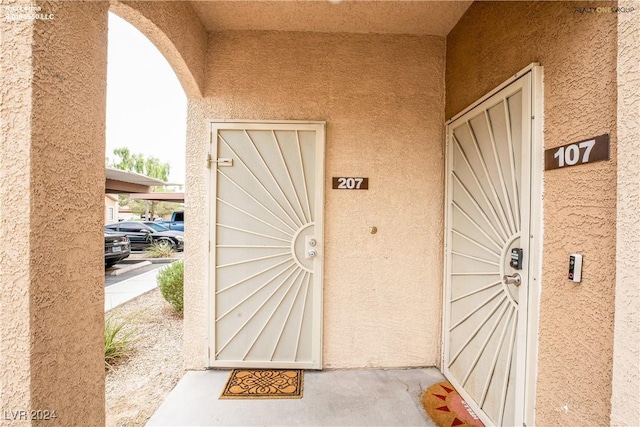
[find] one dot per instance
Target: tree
(151, 167)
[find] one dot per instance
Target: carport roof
(160, 197)
(119, 181)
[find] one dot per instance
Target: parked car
(116, 248)
(143, 234)
(158, 226)
(175, 223)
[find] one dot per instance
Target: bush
(118, 343)
(159, 251)
(171, 282)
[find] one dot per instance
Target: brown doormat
(447, 408)
(264, 384)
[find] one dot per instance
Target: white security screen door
(267, 202)
(488, 255)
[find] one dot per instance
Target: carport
(124, 182)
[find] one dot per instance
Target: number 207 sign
(578, 153)
(348, 183)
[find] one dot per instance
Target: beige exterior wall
(110, 202)
(52, 112)
(625, 399)
(578, 51)
(382, 97)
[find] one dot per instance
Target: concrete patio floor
(330, 398)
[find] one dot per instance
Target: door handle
(515, 279)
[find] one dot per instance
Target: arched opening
(177, 59)
(146, 116)
(146, 106)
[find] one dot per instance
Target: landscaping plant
(118, 341)
(171, 282)
(159, 251)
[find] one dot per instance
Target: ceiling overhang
(435, 18)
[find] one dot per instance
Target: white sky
(146, 106)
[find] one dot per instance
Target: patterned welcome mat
(264, 384)
(447, 408)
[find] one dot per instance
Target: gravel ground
(136, 386)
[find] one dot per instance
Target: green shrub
(118, 342)
(159, 251)
(171, 282)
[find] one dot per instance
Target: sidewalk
(128, 289)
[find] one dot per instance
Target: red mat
(447, 408)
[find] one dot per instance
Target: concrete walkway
(330, 398)
(128, 289)
(371, 397)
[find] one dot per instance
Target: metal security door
(488, 226)
(267, 244)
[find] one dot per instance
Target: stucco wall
(491, 42)
(382, 98)
(15, 109)
(625, 399)
(51, 193)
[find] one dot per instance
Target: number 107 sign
(578, 153)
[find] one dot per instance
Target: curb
(151, 260)
(129, 268)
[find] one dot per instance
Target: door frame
(318, 280)
(536, 238)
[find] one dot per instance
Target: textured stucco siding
(490, 43)
(15, 211)
(625, 399)
(51, 216)
(175, 29)
(382, 97)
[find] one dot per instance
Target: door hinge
(209, 161)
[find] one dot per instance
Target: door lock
(515, 279)
(516, 258)
(310, 247)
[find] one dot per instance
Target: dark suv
(116, 248)
(144, 235)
